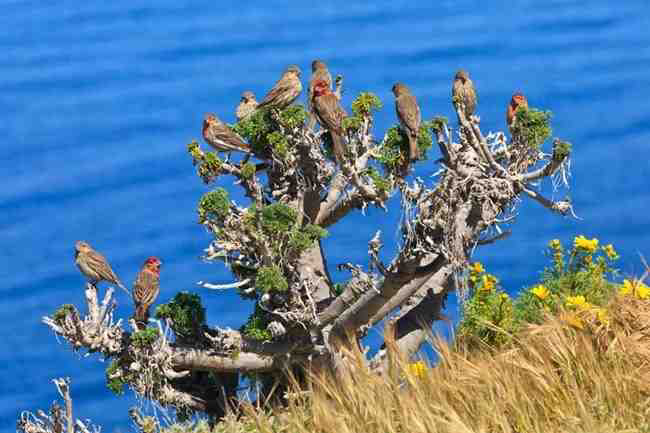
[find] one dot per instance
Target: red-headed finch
(463, 91)
(319, 72)
(408, 113)
(518, 100)
(247, 105)
(219, 135)
(146, 288)
(285, 91)
(330, 115)
(94, 266)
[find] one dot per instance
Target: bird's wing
(470, 96)
(283, 85)
(330, 112)
(146, 287)
(409, 112)
(99, 263)
(229, 137)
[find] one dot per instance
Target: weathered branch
(562, 207)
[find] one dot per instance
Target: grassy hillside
(570, 354)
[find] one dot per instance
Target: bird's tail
(337, 147)
(141, 315)
(414, 154)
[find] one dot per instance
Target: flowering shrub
(577, 285)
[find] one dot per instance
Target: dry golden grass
(554, 378)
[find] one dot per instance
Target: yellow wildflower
(417, 369)
(635, 288)
(504, 297)
(601, 315)
(487, 283)
(477, 268)
(626, 288)
(574, 321)
(577, 302)
(555, 244)
(582, 243)
(642, 291)
(610, 252)
(540, 291)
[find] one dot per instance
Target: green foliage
(381, 183)
(438, 123)
(488, 313)
(255, 129)
(248, 171)
(186, 314)
(255, 327)
(362, 106)
(145, 337)
(392, 153)
(302, 239)
(394, 149)
(115, 384)
(561, 149)
(293, 116)
(532, 126)
(277, 218)
(261, 130)
(214, 204)
(365, 104)
(279, 144)
(425, 138)
(271, 279)
(209, 164)
(60, 314)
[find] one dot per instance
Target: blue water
(98, 100)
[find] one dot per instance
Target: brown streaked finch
(219, 135)
(285, 91)
(146, 289)
(330, 115)
(94, 266)
(462, 91)
(319, 72)
(517, 100)
(408, 113)
(247, 105)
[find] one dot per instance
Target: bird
(463, 91)
(518, 100)
(408, 113)
(330, 115)
(285, 91)
(94, 266)
(146, 288)
(219, 135)
(319, 72)
(247, 105)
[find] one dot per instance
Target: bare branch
(562, 207)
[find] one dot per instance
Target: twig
(235, 285)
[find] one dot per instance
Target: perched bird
(247, 105)
(463, 91)
(146, 288)
(518, 100)
(218, 135)
(285, 91)
(319, 72)
(94, 266)
(408, 113)
(330, 115)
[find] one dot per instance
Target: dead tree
(273, 248)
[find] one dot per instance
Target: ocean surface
(99, 99)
